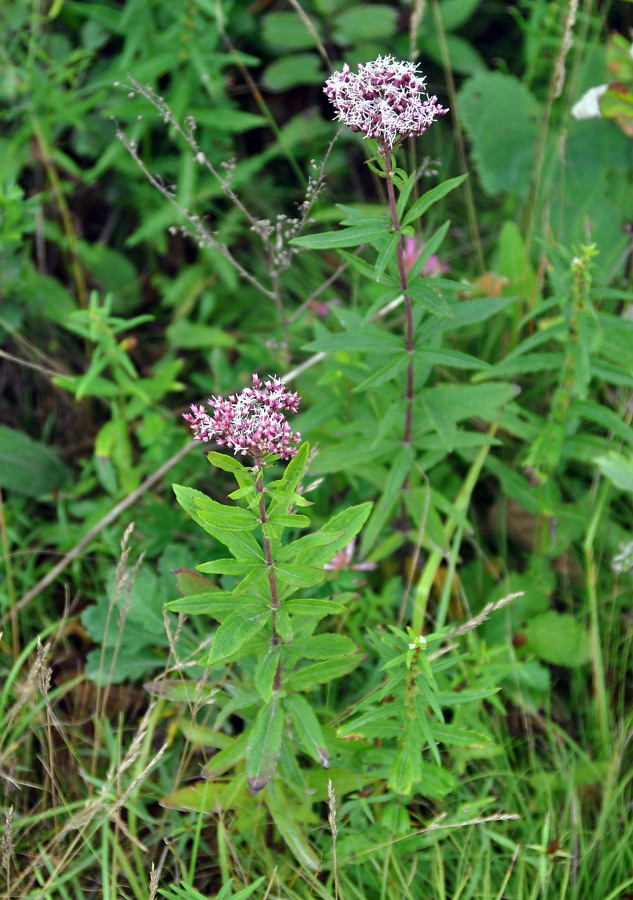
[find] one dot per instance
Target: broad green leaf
(323, 646)
(292, 70)
(308, 728)
(313, 606)
(453, 736)
(305, 544)
(228, 463)
(265, 744)
(235, 632)
(297, 575)
(211, 603)
(210, 796)
(181, 691)
(558, 638)
(320, 673)
(346, 237)
(189, 582)
(254, 577)
(241, 544)
(296, 520)
(347, 523)
(291, 831)
(283, 625)
(29, 467)
(403, 771)
(430, 197)
(265, 672)
(617, 468)
(368, 340)
(450, 359)
(287, 31)
(234, 518)
(224, 760)
(602, 415)
(226, 566)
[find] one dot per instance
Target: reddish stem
(408, 422)
(272, 581)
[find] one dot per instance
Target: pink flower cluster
(252, 421)
(386, 99)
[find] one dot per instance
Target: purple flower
(343, 560)
(252, 421)
(431, 268)
(387, 100)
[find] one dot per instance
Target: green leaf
(27, 466)
(241, 544)
(265, 672)
(292, 70)
(353, 24)
(320, 673)
(235, 632)
(386, 255)
(346, 237)
(617, 468)
(502, 119)
(558, 638)
(347, 524)
(287, 31)
(294, 470)
(298, 575)
(228, 463)
(430, 247)
(302, 546)
(450, 358)
(295, 520)
(430, 197)
(389, 372)
(212, 603)
(265, 745)
(291, 831)
(405, 193)
(323, 646)
(224, 760)
(368, 340)
(226, 566)
(189, 582)
(400, 469)
(234, 518)
(313, 606)
(308, 728)
(427, 294)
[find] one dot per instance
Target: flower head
(252, 421)
(344, 560)
(386, 99)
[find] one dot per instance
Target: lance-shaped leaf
(308, 728)
(265, 672)
(321, 672)
(313, 606)
(307, 543)
(227, 566)
(240, 543)
(324, 646)
(347, 524)
(211, 603)
(224, 760)
(346, 237)
(234, 632)
(430, 197)
(291, 831)
(220, 516)
(294, 471)
(265, 744)
(298, 576)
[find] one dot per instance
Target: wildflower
(252, 421)
(432, 267)
(343, 560)
(386, 99)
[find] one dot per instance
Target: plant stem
(272, 581)
(408, 422)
